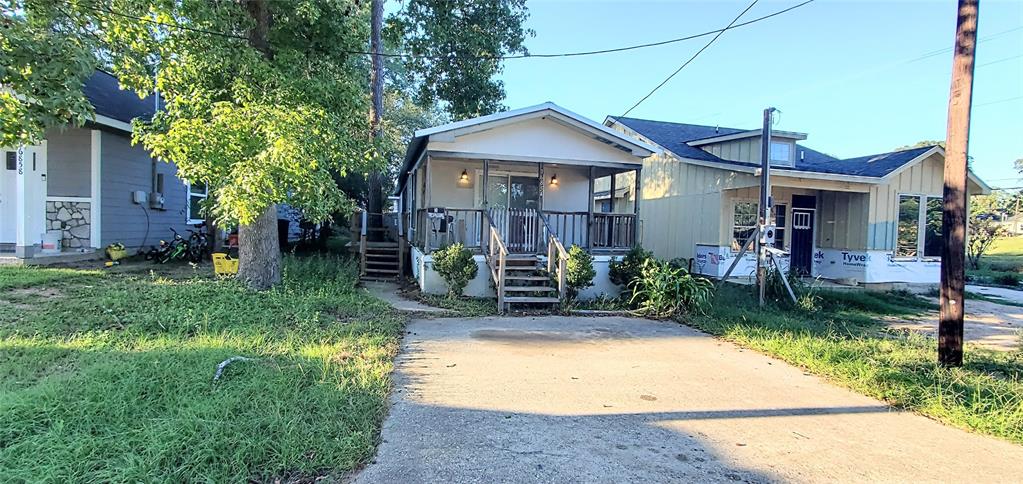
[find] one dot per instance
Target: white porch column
(30, 199)
(95, 220)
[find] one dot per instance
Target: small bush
(625, 271)
(580, 271)
(664, 291)
(456, 266)
(1006, 279)
(1002, 266)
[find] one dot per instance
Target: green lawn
(1002, 263)
(107, 376)
(844, 342)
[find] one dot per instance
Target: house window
(197, 194)
(781, 151)
(12, 160)
(779, 222)
(744, 222)
(919, 227)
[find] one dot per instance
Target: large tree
(46, 55)
(457, 47)
(264, 101)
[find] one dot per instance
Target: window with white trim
(197, 194)
(919, 227)
(744, 222)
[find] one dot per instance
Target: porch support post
(635, 206)
(486, 179)
(539, 173)
(95, 219)
(427, 203)
(589, 214)
(23, 245)
(611, 195)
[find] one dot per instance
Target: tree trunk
(259, 252)
(374, 199)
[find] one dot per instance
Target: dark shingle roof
(110, 100)
(675, 136)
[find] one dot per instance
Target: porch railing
(441, 227)
(557, 257)
(614, 231)
(523, 231)
(571, 227)
(497, 257)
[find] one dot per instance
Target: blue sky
(851, 74)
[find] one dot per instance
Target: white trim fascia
(113, 123)
(746, 134)
(459, 155)
(96, 165)
(493, 120)
(69, 199)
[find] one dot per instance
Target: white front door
(8, 196)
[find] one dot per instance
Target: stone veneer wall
(73, 220)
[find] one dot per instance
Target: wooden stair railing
(497, 259)
(557, 257)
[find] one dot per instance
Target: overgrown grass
(107, 377)
(1001, 265)
(846, 342)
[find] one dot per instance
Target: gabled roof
(113, 103)
(549, 110)
(675, 137)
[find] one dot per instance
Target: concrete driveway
(559, 399)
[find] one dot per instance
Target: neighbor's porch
(457, 200)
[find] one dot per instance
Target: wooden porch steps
(531, 300)
(526, 282)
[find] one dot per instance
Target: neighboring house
(872, 220)
(517, 181)
(79, 185)
(1013, 225)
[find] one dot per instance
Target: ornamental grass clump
(664, 291)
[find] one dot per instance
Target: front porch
(523, 201)
(519, 189)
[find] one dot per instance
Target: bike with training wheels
(176, 249)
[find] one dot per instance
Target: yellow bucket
(224, 265)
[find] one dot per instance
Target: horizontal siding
(126, 168)
(69, 162)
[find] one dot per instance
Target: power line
(446, 56)
(999, 101)
(694, 56)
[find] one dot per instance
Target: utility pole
(953, 226)
(765, 202)
(374, 202)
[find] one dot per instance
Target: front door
(515, 200)
(801, 257)
(8, 192)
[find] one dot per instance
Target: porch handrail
(496, 248)
(557, 256)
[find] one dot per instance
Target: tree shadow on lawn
(73, 414)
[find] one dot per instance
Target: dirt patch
(986, 324)
(36, 292)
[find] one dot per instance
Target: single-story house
(516, 188)
(873, 220)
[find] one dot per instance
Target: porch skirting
(430, 281)
(848, 266)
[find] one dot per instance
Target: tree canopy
(45, 57)
(458, 45)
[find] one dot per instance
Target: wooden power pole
(953, 227)
(374, 202)
(765, 202)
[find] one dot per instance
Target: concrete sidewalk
(614, 399)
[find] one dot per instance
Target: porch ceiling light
(465, 176)
(554, 180)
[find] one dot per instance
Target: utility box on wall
(138, 197)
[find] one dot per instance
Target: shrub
(456, 266)
(1006, 279)
(580, 271)
(664, 291)
(625, 271)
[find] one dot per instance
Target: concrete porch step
(508, 289)
(531, 300)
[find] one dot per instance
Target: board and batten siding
(924, 178)
(747, 149)
(842, 220)
(69, 162)
(681, 203)
(124, 169)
